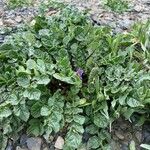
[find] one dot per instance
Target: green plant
(118, 6)
(62, 74)
(18, 3)
(145, 146)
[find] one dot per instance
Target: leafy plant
(118, 6)
(62, 74)
(18, 3)
(145, 146)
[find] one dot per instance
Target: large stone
(19, 148)
(18, 19)
(34, 143)
(9, 145)
(59, 143)
(9, 22)
(139, 8)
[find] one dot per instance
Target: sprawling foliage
(18, 3)
(118, 6)
(63, 74)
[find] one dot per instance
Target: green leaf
(132, 145)
(23, 80)
(42, 79)
(63, 78)
(100, 120)
(77, 127)
(92, 129)
(93, 143)
(47, 133)
(5, 112)
(31, 64)
(79, 119)
(7, 128)
(146, 146)
(36, 109)
(35, 127)
(6, 47)
(29, 37)
(44, 111)
(133, 102)
(22, 112)
(67, 39)
(13, 99)
(32, 94)
(127, 114)
(144, 77)
(41, 66)
(51, 101)
(73, 139)
(3, 141)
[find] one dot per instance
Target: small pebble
(119, 135)
(18, 19)
(59, 143)
(1, 22)
(19, 148)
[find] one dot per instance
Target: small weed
(18, 3)
(118, 6)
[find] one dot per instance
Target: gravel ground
(139, 11)
(123, 132)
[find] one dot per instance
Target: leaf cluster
(18, 3)
(118, 6)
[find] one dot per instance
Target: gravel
(139, 11)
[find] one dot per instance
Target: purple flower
(80, 73)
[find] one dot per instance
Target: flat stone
(138, 8)
(1, 12)
(19, 148)
(138, 135)
(34, 143)
(9, 22)
(18, 19)
(119, 135)
(125, 24)
(46, 148)
(115, 145)
(52, 12)
(1, 22)
(23, 139)
(9, 148)
(9, 145)
(124, 147)
(59, 143)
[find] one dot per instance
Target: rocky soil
(123, 132)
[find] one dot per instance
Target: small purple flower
(80, 73)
